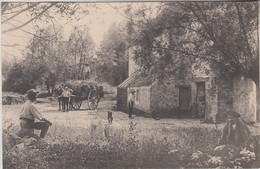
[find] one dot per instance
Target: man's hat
(231, 113)
(31, 93)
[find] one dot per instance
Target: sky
(99, 19)
(101, 15)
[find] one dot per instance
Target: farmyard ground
(132, 143)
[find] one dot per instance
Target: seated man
(28, 115)
(235, 131)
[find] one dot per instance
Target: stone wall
(225, 98)
(122, 99)
(210, 98)
(211, 101)
(244, 98)
(220, 96)
(202, 73)
(142, 98)
(164, 96)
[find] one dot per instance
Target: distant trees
(17, 81)
(45, 53)
(80, 50)
(50, 60)
(113, 59)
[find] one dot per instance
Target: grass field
(84, 139)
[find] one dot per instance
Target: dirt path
(84, 117)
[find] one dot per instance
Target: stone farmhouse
(200, 95)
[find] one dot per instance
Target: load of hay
(82, 87)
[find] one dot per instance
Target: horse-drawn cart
(92, 100)
(83, 90)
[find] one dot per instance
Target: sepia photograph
(122, 85)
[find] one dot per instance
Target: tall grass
(107, 146)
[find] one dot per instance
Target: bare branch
(18, 13)
(120, 13)
(6, 45)
(11, 7)
(37, 16)
(4, 6)
(43, 37)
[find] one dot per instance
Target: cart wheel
(76, 103)
(93, 100)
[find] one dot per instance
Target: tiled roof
(130, 79)
(136, 80)
(141, 81)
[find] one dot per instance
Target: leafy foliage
(18, 80)
(113, 67)
(51, 60)
(222, 35)
(80, 50)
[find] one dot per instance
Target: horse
(57, 91)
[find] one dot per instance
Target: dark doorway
(201, 99)
(122, 99)
(184, 100)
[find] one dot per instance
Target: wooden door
(201, 99)
(184, 100)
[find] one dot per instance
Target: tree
(221, 33)
(39, 12)
(113, 66)
(80, 50)
(19, 79)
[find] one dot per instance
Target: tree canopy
(51, 60)
(223, 34)
(113, 67)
